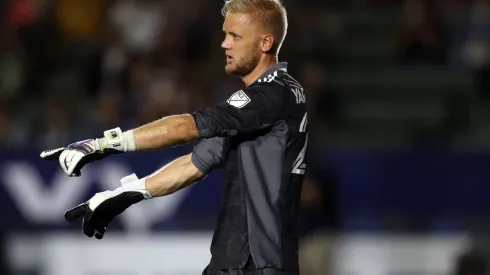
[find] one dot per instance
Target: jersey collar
(282, 66)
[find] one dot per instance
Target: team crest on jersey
(239, 99)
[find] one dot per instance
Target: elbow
(186, 128)
(197, 171)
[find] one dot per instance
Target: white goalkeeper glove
(102, 208)
(73, 157)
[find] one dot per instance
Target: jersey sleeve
(210, 153)
(252, 109)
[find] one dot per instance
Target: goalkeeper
(258, 136)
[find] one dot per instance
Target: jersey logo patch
(239, 99)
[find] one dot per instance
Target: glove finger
(63, 160)
(52, 154)
(76, 174)
(77, 169)
(76, 212)
(66, 159)
(88, 226)
(75, 164)
(100, 231)
(104, 213)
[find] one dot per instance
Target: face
(242, 43)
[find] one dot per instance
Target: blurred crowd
(70, 69)
(447, 33)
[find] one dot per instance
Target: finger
(76, 212)
(52, 153)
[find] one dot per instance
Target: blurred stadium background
(399, 169)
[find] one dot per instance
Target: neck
(265, 63)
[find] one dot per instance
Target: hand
(102, 208)
(73, 157)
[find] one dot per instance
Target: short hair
(270, 12)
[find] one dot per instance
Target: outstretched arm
(168, 131)
(257, 109)
(103, 207)
(261, 108)
(99, 211)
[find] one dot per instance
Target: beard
(245, 65)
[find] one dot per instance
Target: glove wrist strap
(117, 140)
(137, 186)
(129, 141)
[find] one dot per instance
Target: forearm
(174, 176)
(166, 132)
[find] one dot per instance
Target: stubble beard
(245, 66)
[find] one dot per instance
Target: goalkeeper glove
(102, 208)
(73, 157)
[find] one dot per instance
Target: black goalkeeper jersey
(259, 138)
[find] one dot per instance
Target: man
(258, 136)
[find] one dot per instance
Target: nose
(226, 44)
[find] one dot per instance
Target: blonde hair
(271, 13)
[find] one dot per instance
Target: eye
(233, 35)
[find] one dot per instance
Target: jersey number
(299, 165)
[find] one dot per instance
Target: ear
(267, 42)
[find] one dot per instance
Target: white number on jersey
(299, 165)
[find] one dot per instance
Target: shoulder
(272, 85)
(280, 85)
(277, 88)
(280, 78)
(258, 91)
(257, 96)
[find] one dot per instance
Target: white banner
(387, 255)
(175, 254)
(186, 254)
